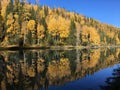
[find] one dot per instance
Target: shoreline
(13, 47)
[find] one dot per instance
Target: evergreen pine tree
(1, 24)
(72, 37)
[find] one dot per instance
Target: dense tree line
(22, 22)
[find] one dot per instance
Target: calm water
(93, 69)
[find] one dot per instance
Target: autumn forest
(22, 23)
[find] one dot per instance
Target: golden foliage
(40, 31)
(13, 25)
(110, 34)
(24, 28)
(52, 22)
(94, 36)
(31, 25)
(59, 69)
(9, 29)
(40, 65)
(117, 39)
(57, 25)
(10, 77)
(10, 19)
(35, 7)
(31, 72)
(63, 27)
(42, 13)
(94, 58)
(117, 54)
(3, 85)
(9, 68)
(16, 16)
(71, 15)
(4, 4)
(16, 27)
(110, 58)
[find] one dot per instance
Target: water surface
(88, 69)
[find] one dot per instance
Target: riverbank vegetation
(25, 24)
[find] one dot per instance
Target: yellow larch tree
(41, 14)
(40, 33)
(25, 17)
(90, 35)
(58, 27)
(13, 29)
(31, 25)
(52, 25)
(4, 4)
(64, 26)
(10, 26)
(31, 28)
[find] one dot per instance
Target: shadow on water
(42, 69)
(113, 82)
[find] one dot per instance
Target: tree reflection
(113, 83)
(27, 70)
(58, 70)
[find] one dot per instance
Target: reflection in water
(113, 83)
(32, 70)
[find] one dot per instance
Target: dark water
(93, 69)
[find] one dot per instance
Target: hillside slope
(26, 24)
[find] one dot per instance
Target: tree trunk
(78, 30)
(38, 41)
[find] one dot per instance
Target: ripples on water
(93, 69)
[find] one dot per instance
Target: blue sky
(106, 11)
